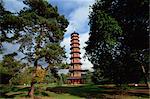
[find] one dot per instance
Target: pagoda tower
(75, 65)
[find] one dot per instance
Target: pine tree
(43, 31)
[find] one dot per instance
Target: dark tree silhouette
(126, 61)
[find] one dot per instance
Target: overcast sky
(76, 11)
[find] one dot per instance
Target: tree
(9, 67)
(43, 31)
(132, 17)
(22, 77)
(104, 40)
(49, 77)
(10, 24)
(134, 24)
(64, 65)
(88, 77)
(40, 74)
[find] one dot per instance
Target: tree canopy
(9, 67)
(118, 40)
(38, 28)
(44, 31)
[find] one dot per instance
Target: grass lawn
(52, 91)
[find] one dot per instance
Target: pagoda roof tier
(74, 39)
(75, 70)
(76, 57)
(72, 70)
(76, 63)
(74, 47)
(75, 43)
(75, 52)
(75, 36)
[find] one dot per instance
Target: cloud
(14, 5)
(10, 48)
(83, 38)
(78, 21)
(76, 11)
(86, 63)
(66, 43)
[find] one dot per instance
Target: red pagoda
(75, 66)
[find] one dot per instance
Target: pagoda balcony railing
(74, 45)
(74, 41)
(75, 55)
(74, 37)
(72, 70)
(75, 61)
(75, 68)
(75, 51)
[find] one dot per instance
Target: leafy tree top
(132, 16)
(104, 33)
(43, 30)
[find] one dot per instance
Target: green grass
(40, 92)
(97, 91)
(52, 91)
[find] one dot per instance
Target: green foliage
(9, 67)
(107, 29)
(104, 40)
(10, 24)
(39, 29)
(44, 29)
(133, 18)
(118, 40)
(49, 78)
(69, 92)
(26, 74)
(63, 65)
(64, 78)
(88, 77)
(53, 77)
(23, 77)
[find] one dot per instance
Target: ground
(52, 91)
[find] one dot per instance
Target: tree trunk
(145, 77)
(31, 91)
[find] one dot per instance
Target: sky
(76, 11)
